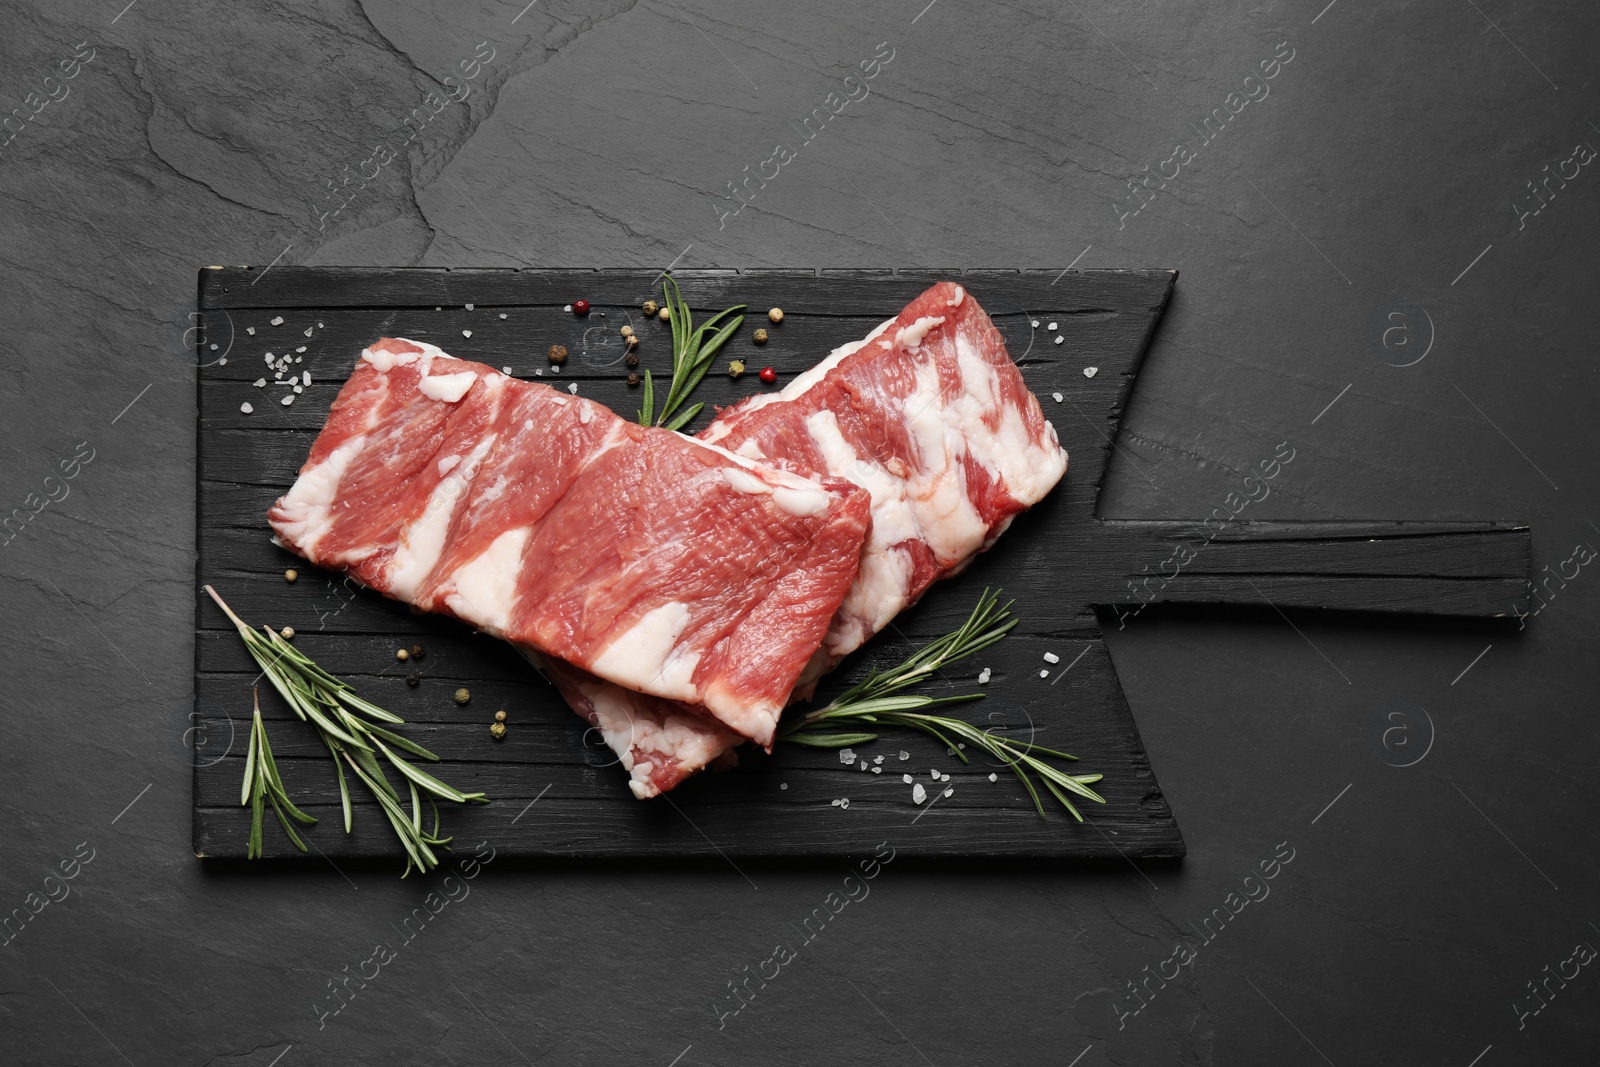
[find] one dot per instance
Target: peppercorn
(402, 655)
(664, 314)
(463, 695)
(775, 316)
(627, 331)
(287, 632)
(413, 679)
(500, 716)
(769, 375)
(497, 730)
(633, 379)
(290, 575)
(736, 368)
(759, 337)
(557, 354)
(417, 652)
(651, 307)
(631, 359)
(632, 341)
(580, 307)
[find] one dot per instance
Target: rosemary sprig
(692, 353)
(873, 700)
(262, 783)
(342, 721)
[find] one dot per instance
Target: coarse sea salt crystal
(877, 770)
(1035, 323)
(299, 389)
(844, 802)
(1059, 339)
(222, 362)
(906, 778)
(469, 307)
(306, 377)
(950, 791)
(878, 760)
(251, 330)
(935, 773)
(302, 348)
(781, 785)
(1057, 397)
(246, 408)
(847, 755)
(573, 388)
(466, 333)
(904, 754)
(834, 802)
(863, 764)
(288, 399)
(268, 359)
(1044, 674)
(918, 794)
(566, 307)
(259, 383)
(308, 331)
(993, 777)
(1051, 657)
(502, 314)
(277, 320)
(213, 348)
(506, 371)
(1090, 372)
(984, 676)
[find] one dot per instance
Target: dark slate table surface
(1366, 273)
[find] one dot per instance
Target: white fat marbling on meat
(422, 541)
(912, 336)
(387, 361)
(447, 387)
(745, 482)
(447, 464)
(802, 503)
(936, 485)
(751, 449)
(755, 719)
(484, 591)
(955, 301)
(306, 509)
(636, 737)
(647, 656)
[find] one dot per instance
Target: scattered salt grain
(993, 777)
(566, 307)
(904, 754)
(918, 794)
(268, 360)
(878, 760)
(1059, 339)
(949, 791)
(302, 348)
(299, 359)
(847, 755)
(844, 802)
(319, 325)
(935, 773)
(502, 314)
(1050, 326)
(555, 370)
(863, 764)
(251, 330)
(308, 331)
(1051, 657)
(213, 348)
(506, 370)
(288, 398)
(834, 802)
(260, 383)
(246, 408)
(277, 320)
(781, 785)
(222, 362)
(1090, 372)
(466, 333)
(1035, 324)
(306, 377)
(469, 307)
(538, 373)
(573, 388)
(1057, 397)
(1044, 674)
(877, 770)
(299, 389)
(906, 778)
(984, 676)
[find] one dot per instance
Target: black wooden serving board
(555, 791)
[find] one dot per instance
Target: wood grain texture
(1058, 562)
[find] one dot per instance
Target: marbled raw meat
(646, 558)
(930, 415)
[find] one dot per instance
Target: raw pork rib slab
(641, 556)
(930, 415)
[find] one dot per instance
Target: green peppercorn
(651, 307)
(736, 368)
(463, 695)
(497, 730)
(759, 337)
(500, 716)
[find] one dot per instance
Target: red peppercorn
(580, 307)
(769, 375)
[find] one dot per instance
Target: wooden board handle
(1479, 569)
